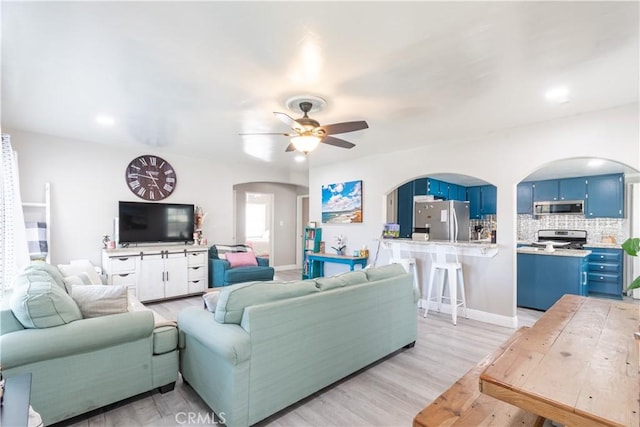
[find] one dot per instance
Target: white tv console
(155, 273)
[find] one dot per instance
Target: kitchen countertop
(481, 248)
(604, 245)
(557, 252)
(590, 245)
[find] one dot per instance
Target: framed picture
(342, 202)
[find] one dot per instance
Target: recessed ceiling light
(300, 158)
(558, 94)
(594, 163)
(105, 120)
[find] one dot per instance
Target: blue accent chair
(221, 273)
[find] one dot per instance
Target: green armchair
(239, 265)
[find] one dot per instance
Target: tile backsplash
(597, 228)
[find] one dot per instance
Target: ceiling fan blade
(266, 133)
(290, 147)
(344, 127)
(337, 142)
(285, 119)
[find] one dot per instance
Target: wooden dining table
(578, 365)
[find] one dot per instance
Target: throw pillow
(239, 259)
(38, 302)
(80, 266)
(43, 267)
(100, 300)
(79, 280)
(211, 300)
(213, 252)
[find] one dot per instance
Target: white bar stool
(445, 260)
(409, 265)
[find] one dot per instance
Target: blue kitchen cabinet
(489, 196)
(482, 201)
(605, 272)
(544, 191)
(420, 187)
(525, 198)
(572, 188)
(544, 279)
(475, 203)
(405, 208)
(457, 192)
(438, 189)
(605, 196)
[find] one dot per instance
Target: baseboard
(481, 316)
(286, 267)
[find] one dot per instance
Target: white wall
(502, 159)
(87, 181)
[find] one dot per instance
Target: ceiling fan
(308, 133)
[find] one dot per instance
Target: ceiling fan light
(305, 143)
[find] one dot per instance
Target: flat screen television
(155, 222)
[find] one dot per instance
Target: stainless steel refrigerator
(446, 220)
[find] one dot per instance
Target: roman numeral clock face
(151, 177)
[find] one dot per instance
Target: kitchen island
(543, 277)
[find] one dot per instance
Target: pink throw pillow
(240, 259)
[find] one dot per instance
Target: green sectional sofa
(269, 344)
(80, 364)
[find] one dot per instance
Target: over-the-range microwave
(559, 207)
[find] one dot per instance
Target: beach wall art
(342, 202)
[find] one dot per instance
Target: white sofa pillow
(100, 300)
(80, 266)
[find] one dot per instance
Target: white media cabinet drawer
(196, 286)
(197, 258)
(196, 273)
(123, 264)
(126, 279)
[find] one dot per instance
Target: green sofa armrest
(229, 341)
(82, 336)
(262, 262)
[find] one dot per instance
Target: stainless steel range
(566, 239)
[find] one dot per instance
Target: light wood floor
(388, 393)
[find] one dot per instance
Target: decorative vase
(339, 251)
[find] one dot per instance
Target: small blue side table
(317, 269)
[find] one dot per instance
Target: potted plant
(340, 244)
(632, 246)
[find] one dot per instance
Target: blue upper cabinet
(560, 189)
(482, 201)
(572, 188)
(489, 195)
(438, 189)
(545, 191)
(420, 187)
(457, 192)
(525, 198)
(605, 196)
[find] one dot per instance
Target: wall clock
(150, 177)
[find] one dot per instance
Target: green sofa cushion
(39, 302)
(233, 299)
(341, 280)
(385, 272)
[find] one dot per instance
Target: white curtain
(14, 254)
